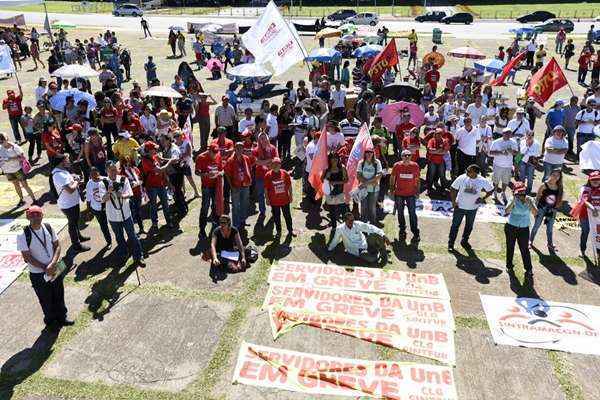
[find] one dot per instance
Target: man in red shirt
(432, 77)
(203, 116)
(155, 182)
(584, 62)
(405, 186)
(225, 145)
(278, 186)
(412, 143)
(401, 130)
(210, 168)
(12, 105)
(263, 154)
(437, 146)
(237, 172)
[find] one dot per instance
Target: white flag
(6, 62)
(47, 25)
(272, 40)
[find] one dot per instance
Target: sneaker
(451, 247)
(84, 238)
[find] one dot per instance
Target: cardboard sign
(359, 279)
(315, 374)
(11, 266)
(542, 324)
(416, 325)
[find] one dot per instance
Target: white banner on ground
(316, 374)
(359, 279)
(6, 62)
(443, 209)
(271, 39)
(416, 325)
(543, 324)
(11, 266)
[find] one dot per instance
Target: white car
(127, 9)
(363, 19)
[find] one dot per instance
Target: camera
(117, 186)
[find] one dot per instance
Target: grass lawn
(562, 10)
(64, 7)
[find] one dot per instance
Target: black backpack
(27, 231)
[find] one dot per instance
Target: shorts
(16, 176)
(186, 170)
(501, 175)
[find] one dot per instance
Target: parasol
(323, 54)
(367, 51)
(250, 71)
(58, 101)
(177, 28)
(162, 91)
(391, 114)
(212, 28)
(347, 28)
(75, 71)
(61, 24)
(467, 52)
(212, 62)
(436, 58)
(492, 65)
(399, 92)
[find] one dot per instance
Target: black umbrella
(269, 90)
(187, 75)
(401, 92)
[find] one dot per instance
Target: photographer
(174, 171)
(118, 212)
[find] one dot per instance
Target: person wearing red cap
(155, 183)
(237, 172)
(209, 167)
(589, 202)
(40, 249)
(263, 153)
(12, 105)
(278, 186)
(517, 230)
(548, 201)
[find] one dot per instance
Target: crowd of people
(132, 155)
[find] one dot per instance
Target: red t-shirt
(154, 178)
(277, 186)
(52, 142)
(412, 141)
(260, 154)
(13, 106)
(584, 60)
(225, 147)
(436, 144)
(111, 112)
(432, 77)
(205, 164)
(406, 178)
(203, 110)
(402, 129)
(238, 171)
(134, 126)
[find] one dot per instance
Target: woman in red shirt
(155, 183)
(278, 186)
(412, 143)
(131, 123)
(263, 153)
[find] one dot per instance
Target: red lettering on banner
(273, 374)
(389, 390)
(249, 369)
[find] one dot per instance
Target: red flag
(499, 81)
(319, 165)
(363, 141)
(382, 61)
(546, 81)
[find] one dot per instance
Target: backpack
(27, 231)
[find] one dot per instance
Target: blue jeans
(240, 199)
(584, 223)
(539, 218)
(14, 124)
(457, 217)
(570, 137)
(411, 203)
(260, 194)
(526, 174)
(548, 169)
(161, 192)
(208, 201)
(136, 206)
(127, 226)
(368, 207)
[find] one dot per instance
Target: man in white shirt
(335, 138)
(40, 249)
(67, 187)
(519, 125)
(431, 118)
(118, 212)
(148, 121)
(350, 126)
(225, 115)
(360, 239)
(477, 110)
(467, 139)
(465, 194)
(337, 101)
(41, 89)
(585, 121)
(530, 150)
(503, 150)
(272, 123)
(247, 122)
(95, 190)
(556, 148)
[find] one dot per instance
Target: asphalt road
(160, 24)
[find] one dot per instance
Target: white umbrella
(75, 71)
(248, 71)
(177, 28)
(58, 101)
(162, 91)
(213, 28)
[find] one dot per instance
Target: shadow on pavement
(557, 267)
(473, 265)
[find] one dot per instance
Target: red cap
(75, 127)
(595, 176)
(149, 145)
(519, 188)
(34, 210)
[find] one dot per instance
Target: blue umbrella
(368, 51)
(323, 54)
(492, 65)
(58, 101)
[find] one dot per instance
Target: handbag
(25, 165)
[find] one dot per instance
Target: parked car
(596, 36)
(555, 25)
(128, 9)
(363, 19)
(341, 15)
(536, 16)
(458, 18)
(434, 16)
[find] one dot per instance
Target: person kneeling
(360, 239)
(226, 247)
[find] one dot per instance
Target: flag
(363, 141)
(6, 62)
(383, 61)
(499, 81)
(273, 40)
(47, 25)
(546, 81)
(319, 165)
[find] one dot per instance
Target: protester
(237, 172)
(556, 148)
(503, 151)
(226, 248)
(336, 176)
(549, 199)
(368, 174)
(405, 189)
(360, 239)
(12, 161)
(14, 109)
(528, 160)
(278, 187)
(95, 189)
(155, 183)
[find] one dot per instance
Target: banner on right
(537, 323)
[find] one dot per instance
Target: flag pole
(48, 28)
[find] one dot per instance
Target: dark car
(458, 18)
(341, 15)
(555, 25)
(536, 16)
(435, 16)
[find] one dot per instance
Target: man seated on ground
(360, 239)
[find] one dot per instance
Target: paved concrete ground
(177, 335)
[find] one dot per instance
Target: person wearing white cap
(556, 148)
(503, 151)
(519, 125)
(585, 121)
(529, 152)
(125, 147)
